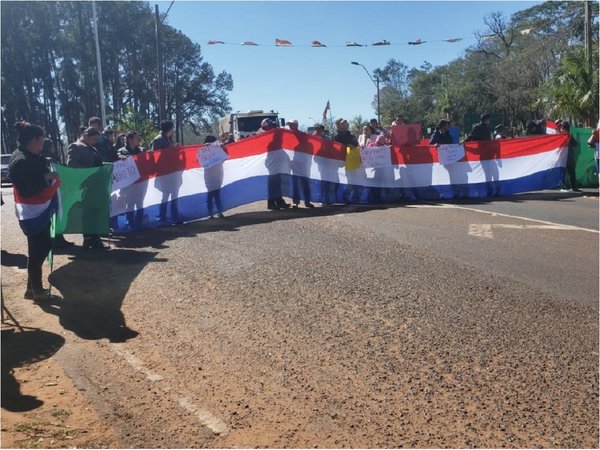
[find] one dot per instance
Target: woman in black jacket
(31, 176)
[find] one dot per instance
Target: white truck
(241, 125)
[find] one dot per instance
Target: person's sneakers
(43, 295)
(281, 203)
(272, 205)
(309, 205)
(295, 206)
(220, 216)
(566, 190)
(578, 190)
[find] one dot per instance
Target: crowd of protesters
(30, 171)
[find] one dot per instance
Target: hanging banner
(451, 153)
(211, 154)
(125, 173)
(375, 157)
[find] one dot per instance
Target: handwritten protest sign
(450, 153)
(375, 157)
(211, 154)
(407, 134)
(125, 173)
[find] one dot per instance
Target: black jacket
(440, 138)
(346, 138)
(161, 141)
(27, 172)
(82, 155)
(480, 132)
(127, 151)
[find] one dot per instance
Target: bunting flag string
(378, 43)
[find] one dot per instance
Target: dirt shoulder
(41, 408)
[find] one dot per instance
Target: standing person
(131, 147)
(367, 136)
(499, 132)
(343, 134)
(481, 131)
(213, 179)
(103, 145)
(83, 154)
(376, 127)
(164, 141)
(292, 125)
(441, 135)
(398, 120)
(593, 142)
(571, 161)
(266, 125)
(320, 131)
(165, 138)
(32, 178)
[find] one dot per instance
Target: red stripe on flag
(38, 199)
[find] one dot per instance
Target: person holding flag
(35, 190)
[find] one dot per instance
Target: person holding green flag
(83, 154)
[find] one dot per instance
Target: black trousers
(38, 247)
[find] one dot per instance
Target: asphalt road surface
(470, 324)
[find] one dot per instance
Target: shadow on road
(93, 285)
(14, 260)
(156, 237)
(21, 348)
(552, 196)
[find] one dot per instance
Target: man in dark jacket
(441, 135)
(83, 154)
(132, 145)
(165, 138)
(481, 131)
(343, 134)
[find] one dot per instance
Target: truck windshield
(252, 124)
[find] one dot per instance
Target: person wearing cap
(481, 131)
(105, 141)
(292, 125)
(83, 154)
(441, 135)
(131, 147)
(266, 125)
(499, 132)
(343, 134)
(320, 131)
(565, 127)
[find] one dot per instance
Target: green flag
(84, 199)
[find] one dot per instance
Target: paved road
(454, 325)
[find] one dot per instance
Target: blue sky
(297, 81)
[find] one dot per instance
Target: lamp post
(376, 83)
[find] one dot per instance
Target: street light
(376, 83)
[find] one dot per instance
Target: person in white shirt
(366, 137)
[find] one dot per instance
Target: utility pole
(159, 68)
(588, 43)
(99, 65)
(378, 108)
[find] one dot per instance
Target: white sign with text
(125, 173)
(211, 154)
(375, 157)
(450, 153)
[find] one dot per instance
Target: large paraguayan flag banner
(34, 212)
(174, 188)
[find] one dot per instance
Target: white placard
(211, 154)
(375, 157)
(450, 153)
(125, 173)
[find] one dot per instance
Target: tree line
(49, 73)
(530, 66)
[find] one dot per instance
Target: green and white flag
(84, 199)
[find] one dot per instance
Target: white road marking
(205, 417)
(135, 362)
(215, 424)
(563, 226)
(481, 230)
